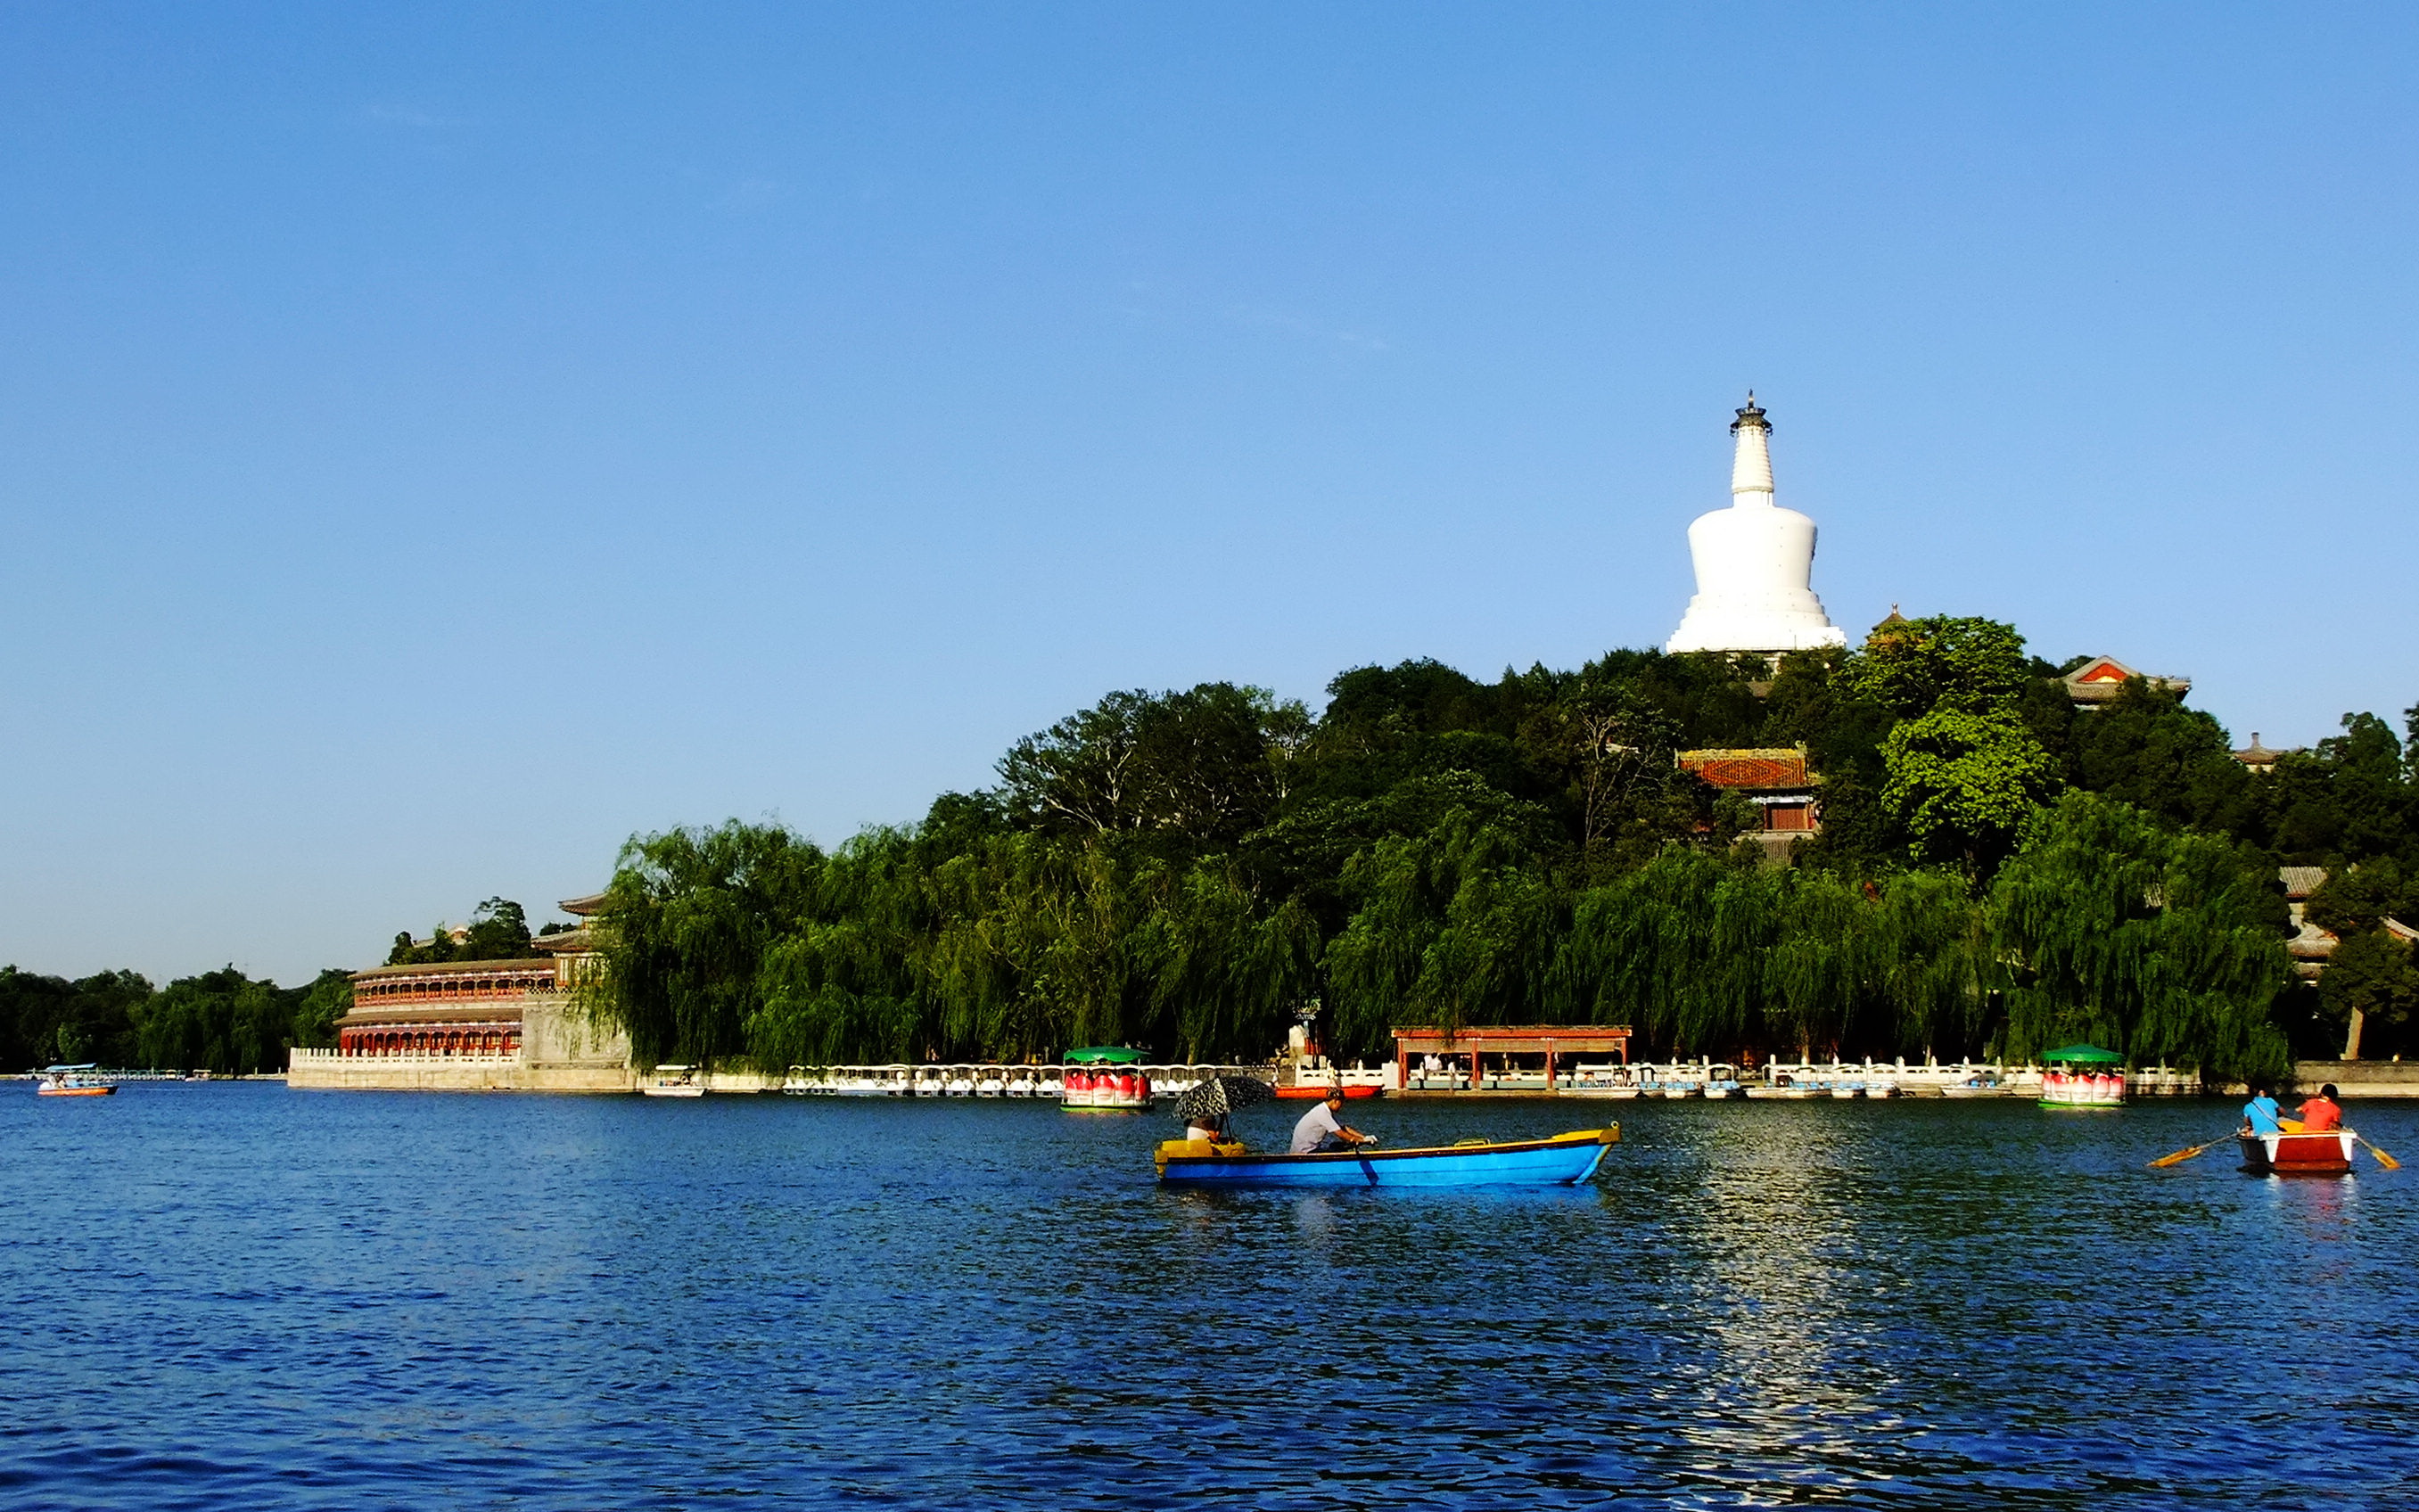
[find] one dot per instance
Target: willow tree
(2166, 946)
(1677, 949)
(1451, 927)
(684, 928)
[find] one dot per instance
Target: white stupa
(1755, 564)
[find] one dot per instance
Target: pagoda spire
(1751, 464)
(1755, 564)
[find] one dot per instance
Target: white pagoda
(1755, 564)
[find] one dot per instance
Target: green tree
(687, 924)
(2369, 985)
(2162, 944)
(1942, 662)
(221, 1021)
(1962, 784)
(328, 998)
(498, 932)
(2350, 800)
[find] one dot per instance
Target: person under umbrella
(1205, 1106)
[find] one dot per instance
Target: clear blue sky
(437, 442)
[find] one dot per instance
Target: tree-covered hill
(1997, 871)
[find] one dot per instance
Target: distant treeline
(1996, 872)
(221, 1021)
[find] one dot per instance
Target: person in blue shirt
(2259, 1114)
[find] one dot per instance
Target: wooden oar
(2383, 1158)
(2182, 1155)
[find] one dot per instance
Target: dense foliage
(498, 931)
(221, 1021)
(1997, 871)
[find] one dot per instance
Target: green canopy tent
(2091, 1055)
(1098, 1055)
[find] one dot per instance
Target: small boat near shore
(2327, 1152)
(74, 1081)
(674, 1081)
(1564, 1160)
(1987, 1084)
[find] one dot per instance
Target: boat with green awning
(2083, 1076)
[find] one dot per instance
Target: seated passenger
(2259, 1114)
(2320, 1114)
(1318, 1132)
(1209, 1126)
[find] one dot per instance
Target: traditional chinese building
(476, 1024)
(2259, 760)
(1776, 780)
(1559, 1046)
(2102, 679)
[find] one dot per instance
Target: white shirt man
(1319, 1130)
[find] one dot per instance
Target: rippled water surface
(237, 1296)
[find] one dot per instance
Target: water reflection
(617, 1303)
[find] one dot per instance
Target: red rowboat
(2298, 1154)
(1311, 1092)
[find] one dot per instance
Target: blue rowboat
(1564, 1160)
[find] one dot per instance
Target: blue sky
(437, 442)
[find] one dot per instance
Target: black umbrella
(1224, 1094)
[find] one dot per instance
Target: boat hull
(1564, 1160)
(74, 1091)
(2298, 1154)
(1311, 1092)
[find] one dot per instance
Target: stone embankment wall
(560, 1052)
(2359, 1078)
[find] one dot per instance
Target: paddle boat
(1984, 1083)
(1104, 1079)
(74, 1081)
(2083, 1076)
(1785, 1085)
(674, 1081)
(1564, 1160)
(2298, 1152)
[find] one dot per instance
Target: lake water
(238, 1296)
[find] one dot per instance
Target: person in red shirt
(2320, 1114)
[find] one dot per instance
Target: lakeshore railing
(988, 1078)
(403, 1058)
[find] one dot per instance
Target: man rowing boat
(1318, 1132)
(2261, 1115)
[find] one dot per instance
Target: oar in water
(2182, 1155)
(2383, 1158)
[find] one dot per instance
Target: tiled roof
(582, 907)
(1751, 767)
(565, 942)
(2301, 881)
(459, 968)
(2102, 678)
(2256, 754)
